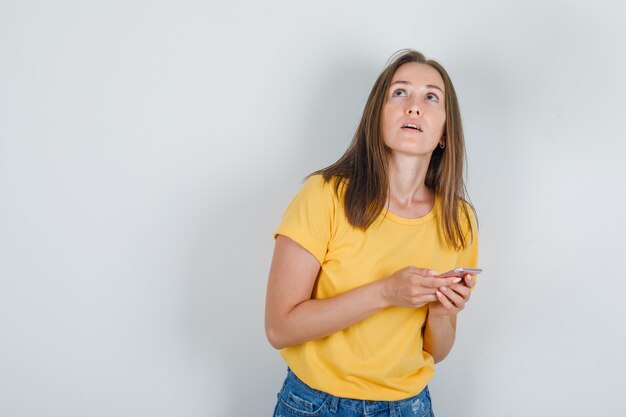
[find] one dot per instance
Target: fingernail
(457, 280)
(439, 294)
(443, 289)
(433, 272)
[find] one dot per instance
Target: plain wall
(149, 148)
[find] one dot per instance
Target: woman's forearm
(439, 334)
(316, 318)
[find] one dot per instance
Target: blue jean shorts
(296, 399)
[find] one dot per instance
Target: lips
(412, 126)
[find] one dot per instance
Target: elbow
(439, 358)
(275, 342)
(273, 336)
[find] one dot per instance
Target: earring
(442, 145)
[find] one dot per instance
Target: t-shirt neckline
(412, 221)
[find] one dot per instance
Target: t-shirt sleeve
(308, 220)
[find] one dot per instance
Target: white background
(149, 148)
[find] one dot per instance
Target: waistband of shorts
(372, 406)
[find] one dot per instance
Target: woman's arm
(439, 335)
(440, 329)
(292, 317)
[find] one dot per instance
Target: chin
(411, 150)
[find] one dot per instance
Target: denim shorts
(298, 399)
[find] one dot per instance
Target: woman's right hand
(414, 287)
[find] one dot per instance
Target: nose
(414, 108)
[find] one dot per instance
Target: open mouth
(411, 126)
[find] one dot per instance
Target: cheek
(442, 122)
(389, 113)
(384, 122)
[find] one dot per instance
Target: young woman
(353, 301)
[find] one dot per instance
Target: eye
(432, 97)
(399, 93)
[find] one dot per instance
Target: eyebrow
(428, 85)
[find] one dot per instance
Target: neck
(407, 175)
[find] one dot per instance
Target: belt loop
(393, 409)
(333, 403)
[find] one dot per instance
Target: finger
(441, 282)
(445, 301)
(462, 290)
(429, 298)
(469, 281)
(456, 299)
(425, 272)
(422, 300)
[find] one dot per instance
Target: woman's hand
(414, 287)
(451, 299)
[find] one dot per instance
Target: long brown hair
(363, 167)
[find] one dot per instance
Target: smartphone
(459, 272)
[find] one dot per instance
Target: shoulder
(315, 197)
(314, 183)
(319, 187)
(310, 218)
(318, 181)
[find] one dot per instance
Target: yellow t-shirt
(381, 357)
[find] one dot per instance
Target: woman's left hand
(452, 299)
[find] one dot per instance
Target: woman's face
(414, 113)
